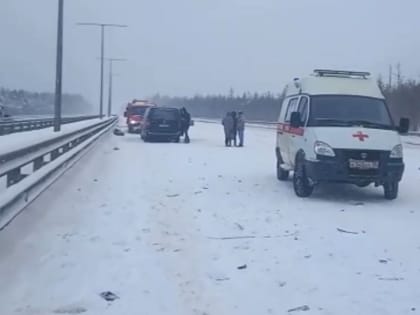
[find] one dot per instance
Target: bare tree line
(403, 99)
(20, 102)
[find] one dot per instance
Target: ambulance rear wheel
(281, 173)
(301, 183)
(391, 190)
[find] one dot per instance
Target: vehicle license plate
(363, 165)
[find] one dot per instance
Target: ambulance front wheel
(301, 183)
(391, 190)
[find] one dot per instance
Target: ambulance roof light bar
(340, 73)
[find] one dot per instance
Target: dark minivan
(161, 123)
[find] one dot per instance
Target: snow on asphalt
(202, 229)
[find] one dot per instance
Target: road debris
(346, 231)
(109, 296)
(231, 237)
(239, 226)
(303, 308)
(242, 267)
(390, 278)
(71, 310)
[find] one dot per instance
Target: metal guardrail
(11, 126)
(24, 169)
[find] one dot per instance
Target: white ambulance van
(335, 126)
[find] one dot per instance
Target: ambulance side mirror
(404, 125)
(295, 120)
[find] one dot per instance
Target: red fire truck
(135, 113)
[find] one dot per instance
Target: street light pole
(101, 98)
(102, 26)
(110, 88)
(111, 75)
(59, 68)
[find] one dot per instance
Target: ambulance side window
(303, 108)
(292, 107)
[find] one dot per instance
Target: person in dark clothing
(241, 128)
(234, 128)
(227, 123)
(185, 124)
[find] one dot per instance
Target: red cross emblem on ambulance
(361, 136)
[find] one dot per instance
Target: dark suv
(161, 123)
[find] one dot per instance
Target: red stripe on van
(286, 128)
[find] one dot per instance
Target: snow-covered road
(166, 227)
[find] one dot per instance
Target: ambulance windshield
(347, 110)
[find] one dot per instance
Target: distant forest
(403, 98)
(19, 102)
(256, 106)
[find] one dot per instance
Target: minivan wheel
(363, 184)
(146, 138)
(301, 183)
(391, 190)
(281, 173)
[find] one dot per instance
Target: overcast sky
(184, 47)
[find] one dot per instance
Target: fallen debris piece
(109, 296)
(391, 279)
(348, 232)
(118, 132)
(358, 203)
(172, 196)
(303, 308)
(383, 261)
(71, 310)
(231, 237)
(282, 284)
(239, 226)
(242, 267)
(116, 149)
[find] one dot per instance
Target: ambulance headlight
(397, 152)
(321, 148)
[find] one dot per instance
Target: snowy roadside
(209, 232)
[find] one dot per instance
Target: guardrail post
(13, 177)
(55, 154)
(66, 147)
(38, 163)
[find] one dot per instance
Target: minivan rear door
(164, 120)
